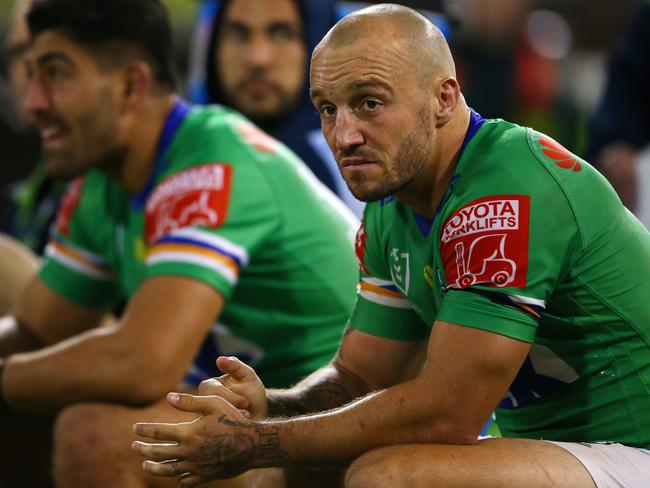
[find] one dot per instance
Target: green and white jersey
(532, 243)
(229, 206)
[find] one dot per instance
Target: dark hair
(98, 24)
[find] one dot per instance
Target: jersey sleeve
(506, 247)
(73, 266)
(380, 308)
(207, 221)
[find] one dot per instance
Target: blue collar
(172, 123)
(475, 123)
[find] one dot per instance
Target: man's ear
(448, 95)
(138, 78)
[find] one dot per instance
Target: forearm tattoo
(265, 447)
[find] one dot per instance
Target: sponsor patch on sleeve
(196, 196)
(360, 247)
(69, 202)
(486, 242)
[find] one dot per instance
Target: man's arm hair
(467, 373)
(364, 363)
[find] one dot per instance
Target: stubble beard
(411, 158)
(98, 148)
(263, 114)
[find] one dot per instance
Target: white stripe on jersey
(213, 240)
(206, 262)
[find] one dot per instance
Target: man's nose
(35, 97)
(348, 131)
(260, 50)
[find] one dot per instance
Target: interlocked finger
(211, 386)
(214, 387)
(189, 479)
(160, 431)
(158, 452)
(172, 467)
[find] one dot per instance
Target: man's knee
(92, 446)
(85, 427)
(375, 469)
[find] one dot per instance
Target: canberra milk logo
(485, 216)
(399, 269)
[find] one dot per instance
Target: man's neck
(143, 138)
(425, 193)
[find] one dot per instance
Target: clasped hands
(227, 437)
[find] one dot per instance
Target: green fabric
(527, 228)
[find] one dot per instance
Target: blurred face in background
(261, 57)
(16, 45)
(74, 105)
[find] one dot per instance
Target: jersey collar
(175, 118)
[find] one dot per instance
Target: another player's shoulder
(223, 133)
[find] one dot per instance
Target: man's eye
(371, 104)
(282, 32)
(328, 110)
(236, 33)
(54, 72)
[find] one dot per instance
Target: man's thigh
(109, 429)
(492, 463)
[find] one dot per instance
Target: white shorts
(612, 465)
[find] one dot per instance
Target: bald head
(421, 41)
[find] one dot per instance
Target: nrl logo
(399, 269)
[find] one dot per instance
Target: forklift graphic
(198, 212)
(486, 262)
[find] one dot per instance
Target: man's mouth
(258, 86)
(50, 136)
(357, 163)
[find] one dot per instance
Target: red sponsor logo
(196, 196)
(69, 203)
(360, 247)
(562, 157)
(486, 242)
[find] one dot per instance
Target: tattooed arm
(224, 443)
(467, 372)
(364, 363)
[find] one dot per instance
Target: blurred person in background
(253, 55)
(620, 127)
(31, 204)
(510, 59)
(190, 213)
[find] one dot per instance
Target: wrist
(272, 450)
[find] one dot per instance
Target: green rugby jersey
(532, 243)
(229, 206)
